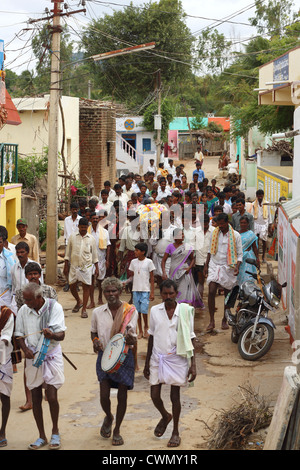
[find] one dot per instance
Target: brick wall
(97, 137)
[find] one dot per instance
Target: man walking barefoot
(170, 357)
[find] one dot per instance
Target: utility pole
(55, 91)
(158, 138)
(52, 210)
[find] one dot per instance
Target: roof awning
(13, 117)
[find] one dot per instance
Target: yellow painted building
(10, 207)
(276, 181)
(279, 80)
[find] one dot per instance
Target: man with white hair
(40, 327)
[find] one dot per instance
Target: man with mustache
(107, 320)
(170, 356)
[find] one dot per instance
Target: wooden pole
(158, 139)
(52, 209)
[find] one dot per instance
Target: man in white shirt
(128, 189)
(71, 226)
(262, 219)
(111, 318)
(198, 157)
(18, 277)
(81, 255)
(111, 192)
(102, 240)
(171, 168)
(203, 237)
(120, 196)
(71, 222)
(166, 362)
(105, 204)
(220, 273)
(152, 166)
(37, 319)
(163, 191)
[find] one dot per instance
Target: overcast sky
(14, 15)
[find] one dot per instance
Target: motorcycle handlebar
(252, 274)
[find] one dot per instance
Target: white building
(135, 145)
(32, 135)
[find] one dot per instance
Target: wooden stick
(70, 362)
(35, 333)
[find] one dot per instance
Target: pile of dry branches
(281, 146)
(232, 428)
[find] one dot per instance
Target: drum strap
(5, 314)
(45, 318)
(127, 318)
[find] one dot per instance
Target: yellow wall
(279, 96)
(10, 207)
(274, 184)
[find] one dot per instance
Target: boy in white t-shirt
(141, 269)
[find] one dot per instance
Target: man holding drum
(107, 321)
(42, 319)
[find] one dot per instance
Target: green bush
(43, 233)
(31, 169)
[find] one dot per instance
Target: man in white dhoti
(80, 259)
(102, 240)
(42, 319)
(222, 264)
(6, 368)
(262, 219)
(170, 356)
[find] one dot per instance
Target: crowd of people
(157, 228)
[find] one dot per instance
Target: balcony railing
(9, 163)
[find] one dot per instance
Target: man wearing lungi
(6, 367)
(170, 356)
(262, 219)
(102, 240)
(107, 320)
(33, 273)
(42, 318)
(80, 259)
(222, 264)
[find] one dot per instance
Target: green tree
(41, 46)
(271, 17)
(167, 113)
(131, 78)
(212, 49)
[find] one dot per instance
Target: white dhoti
(261, 231)
(101, 265)
(169, 369)
(6, 378)
(78, 274)
(50, 372)
(222, 275)
(157, 259)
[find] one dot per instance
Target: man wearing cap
(28, 238)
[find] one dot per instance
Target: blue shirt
(200, 174)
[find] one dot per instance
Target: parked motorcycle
(252, 330)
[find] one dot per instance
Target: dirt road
(220, 372)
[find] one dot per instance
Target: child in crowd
(141, 269)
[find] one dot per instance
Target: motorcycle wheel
(234, 335)
(253, 349)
